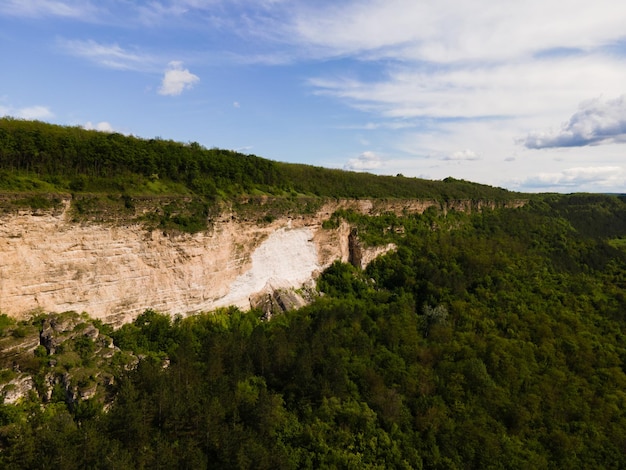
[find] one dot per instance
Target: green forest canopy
(36, 156)
(495, 339)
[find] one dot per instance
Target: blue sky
(529, 95)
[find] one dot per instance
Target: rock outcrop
(16, 389)
(275, 297)
(359, 255)
(58, 329)
(74, 353)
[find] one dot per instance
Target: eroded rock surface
(114, 272)
(49, 263)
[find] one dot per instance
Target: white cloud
(154, 13)
(38, 8)
(449, 30)
(177, 79)
(107, 55)
(462, 155)
(34, 112)
(102, 126)
(29, 112)
(576, 178)
(477, 90)
(365, 162)
(595, 122)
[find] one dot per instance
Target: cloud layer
(462, 155)
(573, 178)
(367, 161)
(596, 122)
(102, 126)
(449, 31)
(107, 55)
(36, 112)
(38, 8)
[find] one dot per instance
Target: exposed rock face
(114, 272)
(12, 349)
(359, 255)
(17, 389)
(56, 330)
(75, 355)
(275, 298)
(286, 259)
(355, 248)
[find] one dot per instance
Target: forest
(40, 157)
(487, 340)
(177, 186)
(494, 339)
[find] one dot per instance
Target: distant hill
(41, 157)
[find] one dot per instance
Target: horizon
(530, 97)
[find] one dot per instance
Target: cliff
(50, 263)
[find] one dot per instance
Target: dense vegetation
(169, 185)
(36, 156)
(490, 340)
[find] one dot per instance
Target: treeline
(490, 340)
(78, 160)
(81, 159)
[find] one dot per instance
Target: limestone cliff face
(115, 272)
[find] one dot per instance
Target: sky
(526, 95)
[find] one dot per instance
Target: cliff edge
(50, 263)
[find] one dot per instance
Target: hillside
(450, 325)
(112, 224)
(39, 159)
(491, 339)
